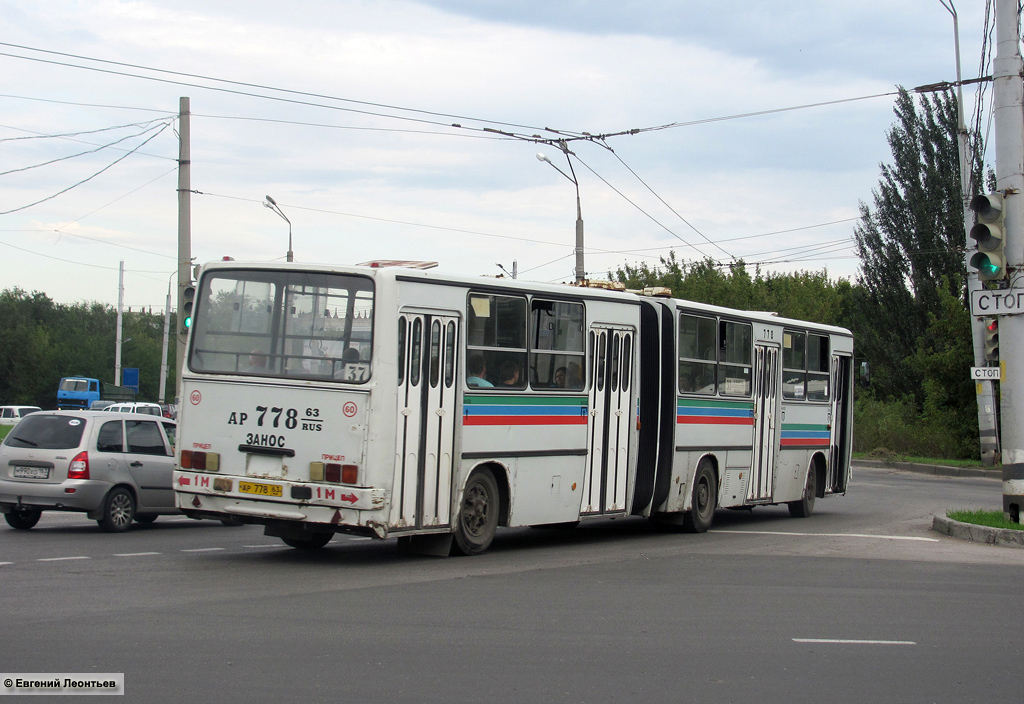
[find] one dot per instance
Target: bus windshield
(286, 324)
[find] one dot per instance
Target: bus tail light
(333, 473)
(200, 461)
(79, 467)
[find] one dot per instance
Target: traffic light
(992, 341)
(990, 233)
(188, 297)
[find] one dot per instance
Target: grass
(991, 519)
(889, 455)
(4, 429)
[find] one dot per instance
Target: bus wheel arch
(703, 496)
(479, 512)
(814, 486)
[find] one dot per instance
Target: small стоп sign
(985, 373)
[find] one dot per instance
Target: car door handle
(136, 463)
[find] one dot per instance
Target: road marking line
(5, 563)
(854, 642)
(202, 550)
(828, 535)
(134, 554)
(57, 559)
(267, 545)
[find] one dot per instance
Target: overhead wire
(88, 178)
(75, 156)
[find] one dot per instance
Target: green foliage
(42, 341)
(898, 425)
(804, 295)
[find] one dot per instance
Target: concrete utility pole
(988, 429)
(184, 232)
(1008, 103)
(120, 309)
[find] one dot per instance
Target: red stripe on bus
(715, 420)
(524, 420)
(822, 442)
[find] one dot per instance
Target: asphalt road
(858, 603)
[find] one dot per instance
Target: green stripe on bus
(714, 402)
(526, 400)
(803, 426)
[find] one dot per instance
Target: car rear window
(47, 432)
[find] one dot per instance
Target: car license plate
(260, 489)
(32, 472)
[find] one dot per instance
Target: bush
(896, 426)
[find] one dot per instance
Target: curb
(939, 470)
(978, 534)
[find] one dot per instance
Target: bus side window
(449, 356)
(734, 364)
(435, 353)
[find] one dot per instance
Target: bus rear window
(284, 324)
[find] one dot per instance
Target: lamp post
(580, 273)
(272, 204)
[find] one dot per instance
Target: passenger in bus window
(477, 368)
(574, 376)
(560, 378)
(257, 362)
(508, 373)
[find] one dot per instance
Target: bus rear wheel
(703, 500)
(478, 514)
(314, 541)
(804, 507)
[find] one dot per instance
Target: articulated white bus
(396, 402)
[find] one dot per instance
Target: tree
(909, 313)
(911, 243)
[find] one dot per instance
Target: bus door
(766, 435)
(610, 358)
(841, 425)
(426, 420)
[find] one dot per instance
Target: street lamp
(580, 273)
(272, 204)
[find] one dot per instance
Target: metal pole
(1007, 103)
(184, 230)
(988, 430)
(167, 335)
(117, 335)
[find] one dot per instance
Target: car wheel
(313, 542)
(23, 518)
(118, 511)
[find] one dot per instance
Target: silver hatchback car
(115, 467)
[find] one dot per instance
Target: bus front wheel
(478, 514)
(703, 500)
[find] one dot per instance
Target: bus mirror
(865, 373)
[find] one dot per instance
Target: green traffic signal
(989, 232)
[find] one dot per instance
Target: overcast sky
(362, 159)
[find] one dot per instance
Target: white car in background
(152, 409)
(10, 415)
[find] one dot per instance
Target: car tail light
(200, 461)
(79, 467)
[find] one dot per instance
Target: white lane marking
(134, 554)
(202, 550)
(267, 545)
(844, 641)
(828, 535)
(57, 559)
(5, 563)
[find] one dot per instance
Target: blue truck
(79, 392)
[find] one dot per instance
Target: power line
(88, 178)
(40, 135)
(74, 156)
